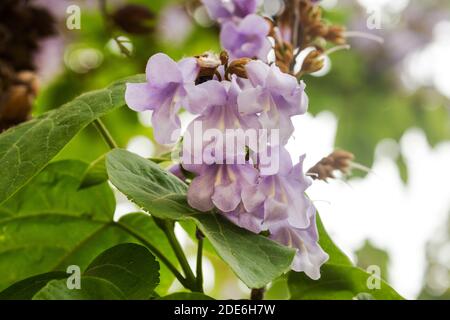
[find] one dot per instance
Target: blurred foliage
(437, 274)
(369, 255)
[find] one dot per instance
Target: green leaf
(149, 186)
(126, 271)
(340, 279)
(27, 288)
(50, 224)
(95, 174)
(142, 225)
(26, 149)
(55, 190)
(255, 259)
(130, 267)
(186, 296)
(91, 289)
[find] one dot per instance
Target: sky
(398, 218)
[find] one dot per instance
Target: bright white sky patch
(398, 218)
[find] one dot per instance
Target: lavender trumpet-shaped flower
(276, 95)
(281, 197)
(309, 256)
(205, 140)
(169, 86)
(246, 38)
(222, 11)
(219, 185)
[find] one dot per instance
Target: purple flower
(252, 221)
(219, 185)
(169, 85)
(208, 136)
(309, 256)
(221, 11)
(177, 171)
(281, 196)
(276, 95)
(246, 38)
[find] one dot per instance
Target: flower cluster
(243, 32)
(234, 148)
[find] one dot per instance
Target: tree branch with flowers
(230, 172)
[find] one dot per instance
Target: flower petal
(189, 69)
(257, 72)
(166, 124)
(138, 96)
(162, 70)
(248, 101)
(227, 197)
(200, 191)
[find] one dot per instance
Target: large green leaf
(95, 174)
(126, 271)
(27, 288)
(255, 259)
(27, 148)
(91, 289)
(149, 186)
(130, 267)
(142, 226)
(340, 279)
(55, 190)
(50, 225)
(186, 296)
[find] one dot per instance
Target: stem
(296, 25)
(157, 253)
(257, 294)
(170, 234)
(105, 133)
(199, 270)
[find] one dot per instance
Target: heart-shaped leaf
(130, 267)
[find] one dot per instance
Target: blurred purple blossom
(174, 25)
(246, 38)
(222, 10)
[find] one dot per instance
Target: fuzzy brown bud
(237, 67)
(208, 63)
(338, 160)
(313, 62)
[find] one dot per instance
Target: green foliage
(27, 288)
(27, 148)
(340, 279)
(126, 271)
(92, 289)
(186, 296)
(255, 259)
(95, 174)
(50, 224)
(130, 267)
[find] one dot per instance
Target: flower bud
(208, 63)
(237, 67)
(134, 19)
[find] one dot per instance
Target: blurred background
(388, 103)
